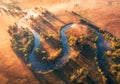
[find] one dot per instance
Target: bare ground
(100, 12)
(12, 69)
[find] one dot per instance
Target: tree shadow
(42, 79)
(66, 71)
(52, 17)
(47, 23)
(41, 24)
(54, 43)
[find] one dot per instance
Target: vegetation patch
(22, 40)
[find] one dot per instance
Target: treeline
(22, 40)
(72, 73)
(112, 56)
(114, 63)
(115, 70)
(86, 45)
(113, 53)
(106, 34)
(43, 55)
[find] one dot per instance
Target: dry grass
(105, 16)
(13, 70)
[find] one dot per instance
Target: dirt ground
(12, 69)
(103, 13)
(108, 19)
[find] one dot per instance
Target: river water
(41, 66)
(36, 65)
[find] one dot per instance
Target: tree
(72, 40)
(108, 52)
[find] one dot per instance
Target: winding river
(102, 46)
(35, 64)
(40, 66)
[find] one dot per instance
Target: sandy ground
(12, 69)
(102, 13)
(108, 19)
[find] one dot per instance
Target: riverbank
(13, 70)
(95, 9)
